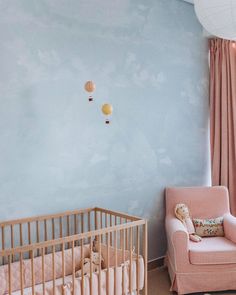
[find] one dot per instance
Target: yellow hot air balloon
(90, 87)
(107, 110)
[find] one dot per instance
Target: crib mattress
(122, 282)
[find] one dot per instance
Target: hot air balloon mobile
(107, 110)
(90, 87)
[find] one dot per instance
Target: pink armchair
(211, 264)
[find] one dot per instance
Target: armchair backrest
(203, 202)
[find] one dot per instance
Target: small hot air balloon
(107, 110)
(90, 86)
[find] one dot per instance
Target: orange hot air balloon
(107, 110)
(90, 87)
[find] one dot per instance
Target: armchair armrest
(230, 227)
(174, 226)
(178, 242)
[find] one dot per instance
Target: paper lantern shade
(107, 110)
(217, 17)
(89, 86)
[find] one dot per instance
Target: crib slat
(145, 245)
(121, 237)
(37, 231)
(53, 270)
(76, 227)
(68, 224)
(53, 229)
(130, 258)
(82, 267)
(126, 237)
(32, 270)
(43, 270)
(12, 236)
(115, 270)
(86, 225)
(73, 266)
(37, 235)
(60, 226)
(101, 225)
(108, 265)
(21, 275)
(82, 222)
(96, 221)
(45, 234)
(137, 261)
(68, 228)
(63, 263)
(75, 224)
(60, 222)
(89, 221)
(12, 240)
(101, 222)
(21, 237)
(29, 233)
(3, 243)
(9, 274)
(106, 222)
(99, 273)
(91, 271)
(123, 261)
(115, 222)
(111, 223)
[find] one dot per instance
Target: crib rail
(27, 231)
(73, 238)
(123, 237)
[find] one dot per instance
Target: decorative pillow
(209, 227)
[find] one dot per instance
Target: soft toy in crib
(95, 260)
(182, 213)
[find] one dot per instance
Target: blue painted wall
(148, 58)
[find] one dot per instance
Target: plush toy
(182, 213)
(95, 260)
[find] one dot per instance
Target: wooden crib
(40, 255)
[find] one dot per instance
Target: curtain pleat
(223, 115)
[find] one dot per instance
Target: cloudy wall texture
(147, 58)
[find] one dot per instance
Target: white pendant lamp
(218, 17)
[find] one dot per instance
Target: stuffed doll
(94, 259)
(182, 213)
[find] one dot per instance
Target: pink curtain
(223, 115)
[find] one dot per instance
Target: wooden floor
(159, 284)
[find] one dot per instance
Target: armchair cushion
(212, 250)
